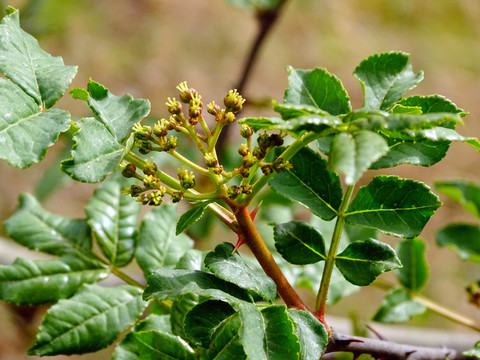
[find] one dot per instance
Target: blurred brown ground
(147, 47)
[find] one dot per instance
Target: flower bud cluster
(278, 166)
(152, 192)
(234, 191)
(266, 142)
(187, 178)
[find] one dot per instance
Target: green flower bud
(246, 189)
(211, 160)
(267, 169)
(213, 109)
(244, 172)
(144, 147)
(259, 153)
(129, 170)
(233, 192)
(176, 196)
(249, 160)
(160, 129)
(155, 198)
(133, 191)
(186, 93)
(150, 168)
(173, 106)
(151, 182)
(171, 143)
(246, 131)
(280, 165)
(264, 141)
(233, 101)
(187, 178)
(218, 170)
(229, 118)
(142, 132)
(243, 150)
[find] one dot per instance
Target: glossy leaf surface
(385, 78)
(43, 77)
(398, 307)
(317, 88)
(156, 345)
(171, 284)
(158, 246)
(414, 273)
(352, 154)
(362, 261)
(299, 243)
(463, 238)
(189, 218)
(89, 321)
(96, 153)
(229, 266)
(28, 282)
(394, 206)
(114, 219)
(35, 228)
(311, 333)
(310, 183)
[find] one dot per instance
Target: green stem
(190, 163)
(217, 130)
(435, 307)
(130, 281)
(321, 301)
(287, 155)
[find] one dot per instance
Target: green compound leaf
(317, 88)
(28, 282)
(96, 153)
(395, 206)
(35, 228)
(114, 219)
(202, 321)
(191, 260)
(190, 217)
(25, 131)
(299, 243)
(268, 333)
(464, 192)
(156, 345)
(227, 265)
(414, 273)
(362, 261)
(385, 78)
(432, 104)
(398, 307)
(127, 349)
(293, 111)
(262, 123)
(171, 284)
(157, 244)
(178, 310)
(310, 183)
(119, 114)
(225, 341)
(89, 321)
(463, 238)
(311, 333)
(43, 77)
(352, 154)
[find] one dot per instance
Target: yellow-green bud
(171, 143)
(176, 196)
(211, 160)
(213, 109)
(246, 131)
(259, 153)
(187, 178)
(173, 106)
(150, 168)
(233, 192)
(186, 93)
(160, 129)
(142, 132)
(151, 182)
(129, 170)
(243, 150)
(249, 160)
(218, 170)
(246, 189)
(144, 147)
(233, 101)
(155, 198)
(267, 169)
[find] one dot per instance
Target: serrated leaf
(179, 309)
(414, 273)
(310, 183)
(28, 282)
(432, 104)
(463, 238)
(315, 123)
(299, 243)
(398, 307)
(262, 123)
(424, 153)
(225, 343)
(114, 219)
(119, 114)
(385, 78)
(156, 345)
(466, 193)
(41, 76)
(189, 218)
(352, 154)
(25, 131)
(96, 153)
(191, 260)
(292, 111)
(311, 333)
(204, 319)
(127, 349)
(317, 88)
(35, 228)
(172, 283)
(362, 261)
(89, 321)
(158, 246)
(395, 206)
(229, 266)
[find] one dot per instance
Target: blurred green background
(147, 47)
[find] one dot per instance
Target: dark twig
(265, 19)
(380, 349)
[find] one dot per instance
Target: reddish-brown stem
(254, 241)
